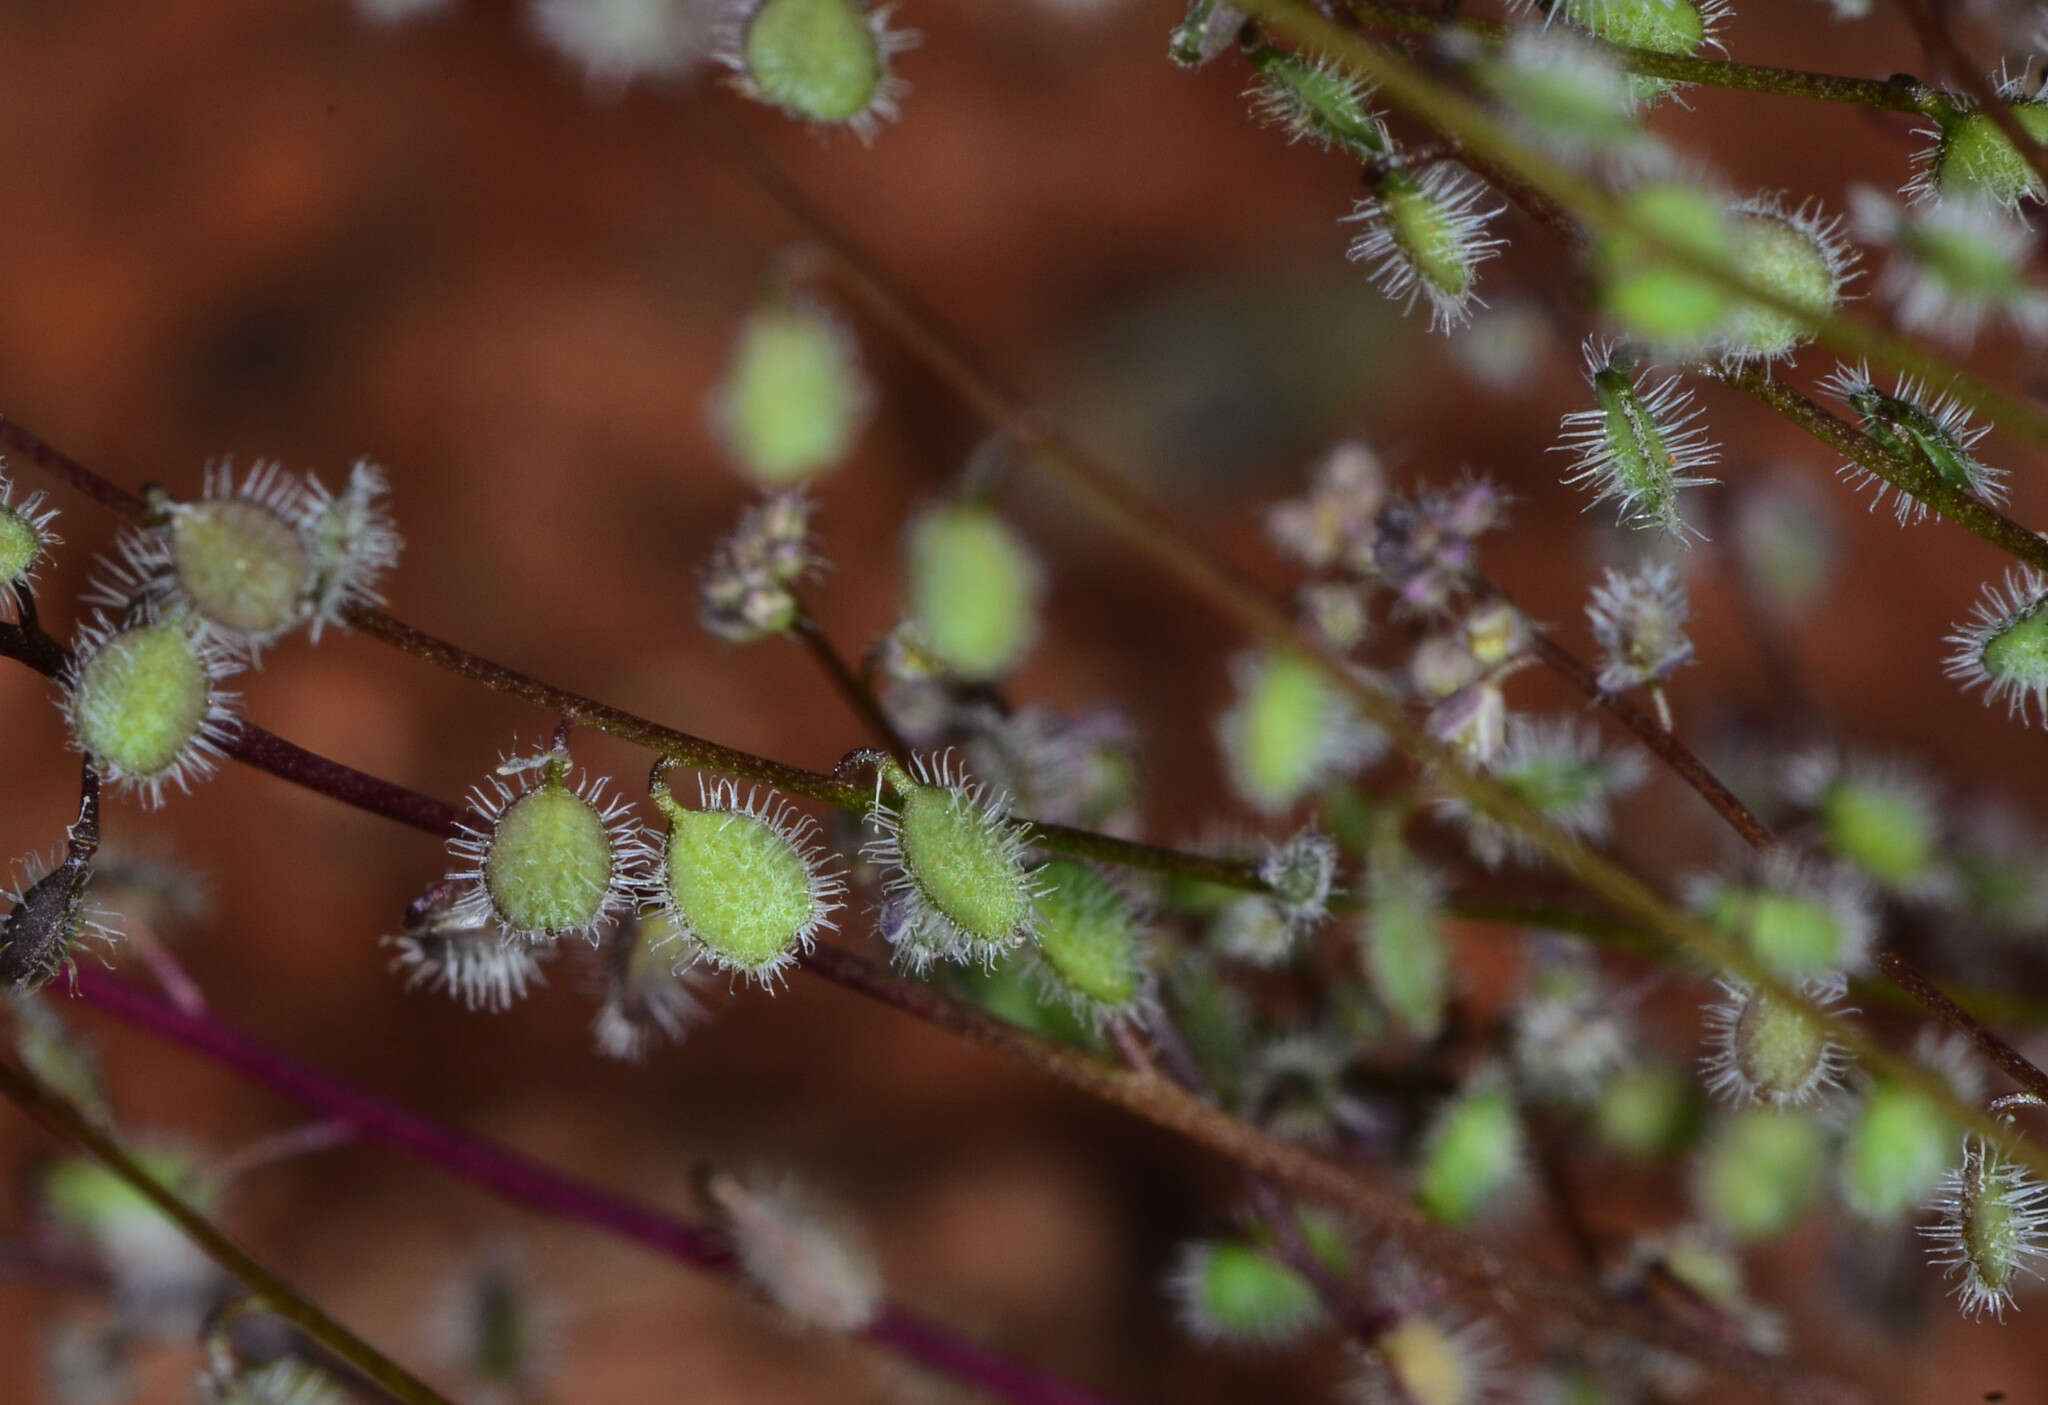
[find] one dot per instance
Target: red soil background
(266, 230)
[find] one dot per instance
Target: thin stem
(1659, 740)
(1445, 1251)
(310, 1139)
(705, 755)
(1914, 478)
(2015, 1064)
(56, 1115)
(516, 1178)
(849, 685)
(1889, 95)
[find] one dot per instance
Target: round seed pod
(743, 880)
(2003, 648)
(823, 61)
(1762, 1050)
(1798, 255)
(548, 859)
(25, 540)
(143, 699)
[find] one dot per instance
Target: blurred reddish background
(266, 230)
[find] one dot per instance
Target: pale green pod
(1799, 256)
(549, 859)
(144, 701)
(1661, 26)
(1897, 1148)
(972, 593)
(1972, 159)
(1471, 1152)
(955, 867)
(742, 880)
(1662, 302)
(1230, 1291)
(794, 397)
(1090, 943)
(1761, 1171)
(823, 61)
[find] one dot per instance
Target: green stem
(59, 1117)
(1914, 477)
(1885, 94)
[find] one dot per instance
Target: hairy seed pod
(1090, 948)
(352, 542)
(1316, 100)
(548, 859)
(2003, 648)
(822, 61)
(1424, 235)
(1226, 1290)
(25, 541)
(1661, 26)
(1762, 1050)
(954, 863)
(742, 880)
(1970, 158)
(1797, 254)
(143, 699)
(972, 591)
(1993, 1228)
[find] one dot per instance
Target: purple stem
(516, 1178)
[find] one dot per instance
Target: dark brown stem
(60, 1118)
(2015, 1065)
(850, 685)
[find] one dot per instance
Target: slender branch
(1886, 94)
(61, 1118)
(1445, 1251)
(1661, 741)
(510, 1176)
(1917, 479)
(2015, 1064)
(849, 685)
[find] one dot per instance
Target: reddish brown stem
(2011, 1061)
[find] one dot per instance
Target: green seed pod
(1882, 816)
(1761, 1171)
(1640, 444)
(1016, 991)
(1402, 947)
(1559, 769)
(1801, 919)
(1646, 1112)
(1664, 304)
(1661, 26)
(794, 398)
(25, 541)
(1424, 236)
(972, 592)
(1993, 1228)
(1761, 1050)
(1895, 1153)
(1090, 948)
(548, 859)
(2003, 647)
(234, 562)
(1567, 93)
(1230, 1291)
(351, 541)
(1290, 731)
(1931, 431)
(1971, 159)
(143, 699)
(1471, 1152)
(822, 61)
(956, 880)
(1431, 1359)
(743, 881)
(1316, 100)
(1796, 254)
